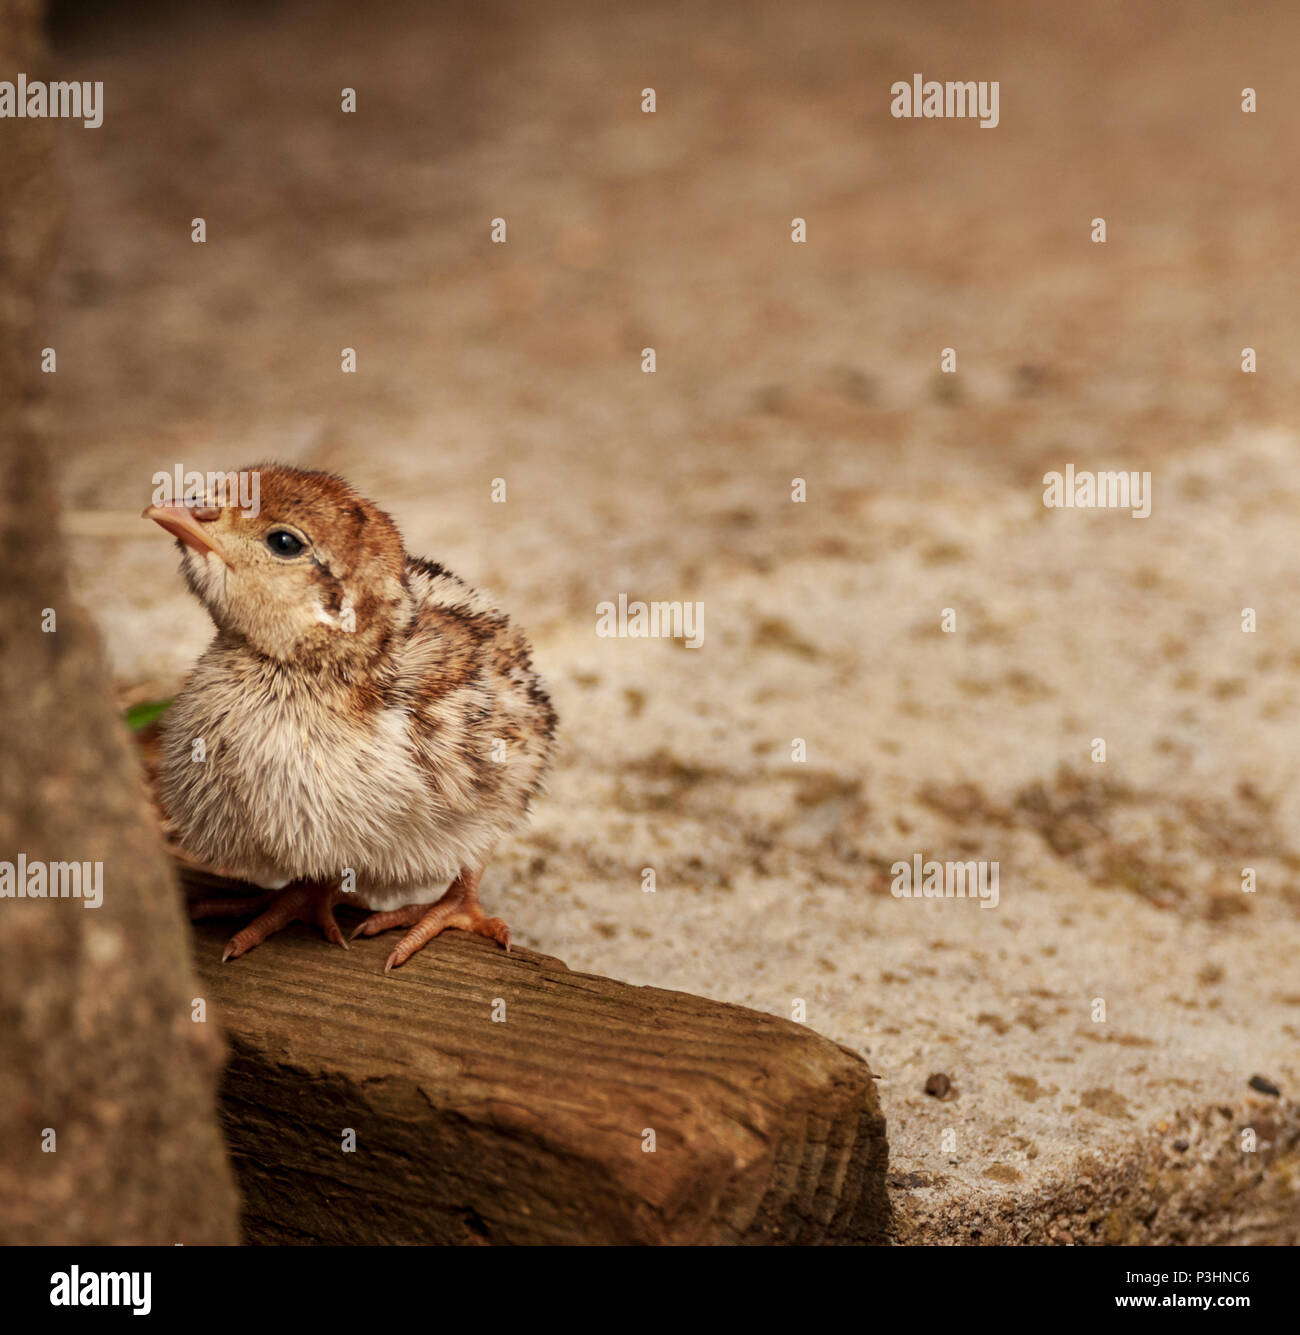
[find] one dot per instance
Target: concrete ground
(1120, 882)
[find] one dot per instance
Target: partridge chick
(363, 728)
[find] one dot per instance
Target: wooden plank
(528, 1127)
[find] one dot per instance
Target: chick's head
(312, 573)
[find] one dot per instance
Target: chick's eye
(283, 543)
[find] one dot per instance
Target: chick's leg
(459, 907)
(306, 901)
(384, 920)
(228, 906)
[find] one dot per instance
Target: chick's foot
(384, 920)
(300, 901)
(228, 906)
(459, 907)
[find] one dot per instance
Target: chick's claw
(298, 902)
(460, 908)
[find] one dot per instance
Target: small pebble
(938, 1086)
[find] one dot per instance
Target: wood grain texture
(529, 1129)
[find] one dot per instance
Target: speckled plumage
(358, 709)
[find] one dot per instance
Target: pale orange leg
(459, 907)
(384, 920)
(308, 901)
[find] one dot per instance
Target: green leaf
(140, 716)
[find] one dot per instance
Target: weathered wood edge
(506, 1099)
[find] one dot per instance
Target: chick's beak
(189, 523)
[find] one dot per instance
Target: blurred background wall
(108, 1129)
